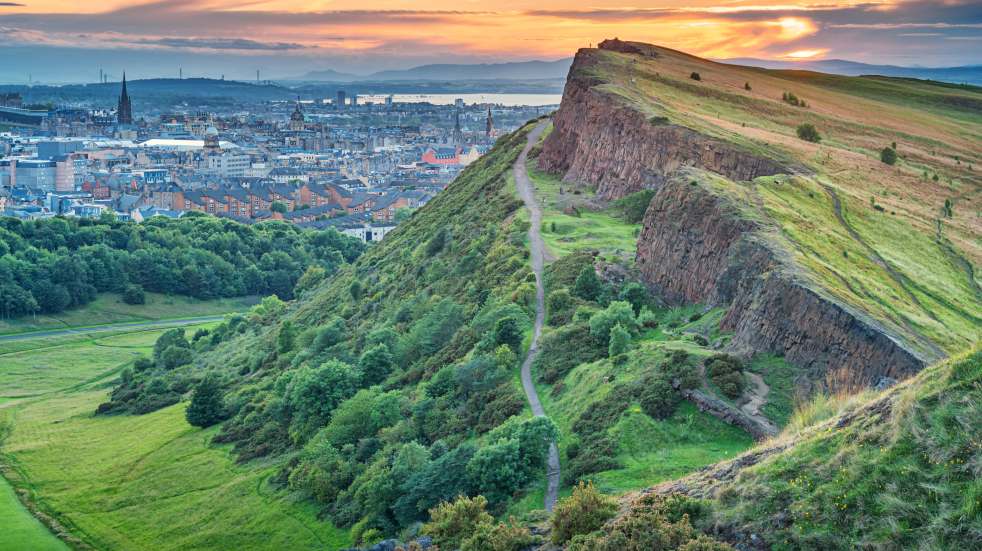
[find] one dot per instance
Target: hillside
(698, 271)
(803, 243)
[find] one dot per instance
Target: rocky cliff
(696, 247)
(599, 140)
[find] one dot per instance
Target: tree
(285, 338)
(437, 242)
(636, 294)
(726, 372)
(617, 313)
(174, 356)
(376, 364)
(620, 341)
(581, 513)
(278, 206)
(133, 294)
(809, 133)
(508, 331)
(311, 394)
(355, 289)
(888, 156)
(587, 285)
(206, 406)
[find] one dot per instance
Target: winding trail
(525, 190)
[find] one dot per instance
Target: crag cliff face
(598, 141)
(696, 247)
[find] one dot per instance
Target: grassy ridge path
(525, 190)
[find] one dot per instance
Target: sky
(69, 40)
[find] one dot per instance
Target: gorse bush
(583, 512)
(809, 133)
(888, 155)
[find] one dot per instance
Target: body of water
(510, 100)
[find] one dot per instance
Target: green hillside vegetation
(128, 482)
(873, 235)
(51, 265)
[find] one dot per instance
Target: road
(525, 190)
(152, 324)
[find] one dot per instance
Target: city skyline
(212, 37)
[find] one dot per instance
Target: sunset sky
(285, 37)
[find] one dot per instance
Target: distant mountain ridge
(517, 70)
(967, 74)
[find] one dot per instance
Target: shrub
(636, 294)
(376, 363)
(695, 76)
(564, 349)
(633, 206)
(206, 406)
(619, 312)
(588, 285)
(560, 306)
(746, 86)
(888, 156)
(143, 363)
(726, 373)
(437, 242)
(500, 537)
(133, 294)
(809, 133)
(174, 356)
(453, 523)
(508, 331)
(581, 513)
(658, 398)
(620, 341)
(651, 526)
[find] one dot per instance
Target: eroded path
(526, 191)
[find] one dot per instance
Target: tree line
(50, 265)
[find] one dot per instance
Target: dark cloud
(217, 43)
(10, 5)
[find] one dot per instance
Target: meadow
(126, 481)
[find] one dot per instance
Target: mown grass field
(109, 308)
(19, 530)
(130, 482)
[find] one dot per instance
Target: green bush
(888, 156)
(658, 398)
(133, 294)
(500, 537)
(560, 307)
(620, 341)
(617, 313)
(565, 348)
(588, 285)
(809, 133)
(633, 206)
(455, 522)
(583, 512)
(726, 372)
(206, 406)
(174, 356)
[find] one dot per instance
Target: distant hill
(969, 74)
(521, 70)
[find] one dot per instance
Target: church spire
(458, 135)
(489, 130)
(124, 111)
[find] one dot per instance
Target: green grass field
(108, 308)
(129, 482)
(19, 530)
(590, 229)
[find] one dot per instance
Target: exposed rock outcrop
(696, 247)
(599, 140)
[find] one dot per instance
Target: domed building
(212, 144)
(296, 119)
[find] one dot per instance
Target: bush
(653, 526)
(453, 523)
(658, 398)
(500, 537)
(588, 285)
(633, 206)
(620, 341)
(133, 294)
(508, 331)
(636, 294)
(695, 76)
(560, 306)
(174, 356)
(564, 349)
(809, 133)
(888, 156)
(206, 406)
(618, 313)
(726, 373)
(581, 513)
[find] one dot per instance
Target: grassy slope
(127, 482)
(21, 531)
(900, 476)
(108, 308)
(937, 132)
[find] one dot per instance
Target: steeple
(124, 111)
(489, 129)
